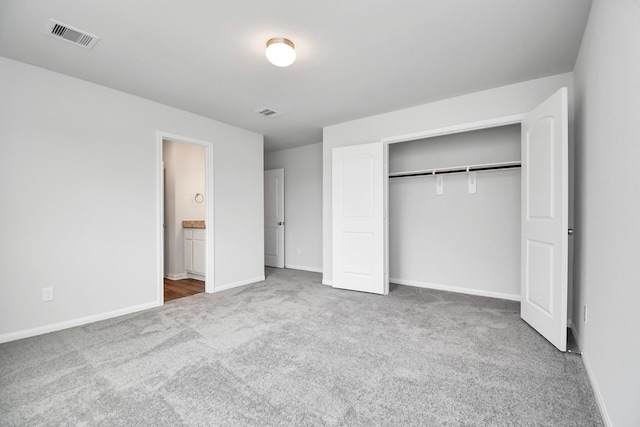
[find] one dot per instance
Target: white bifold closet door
(359, 182)
(545, 216)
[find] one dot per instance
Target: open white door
(545, 198)
(359, 179)
(274, 218)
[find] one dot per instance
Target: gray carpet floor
(290, 351)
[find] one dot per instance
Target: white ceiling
(356, 58)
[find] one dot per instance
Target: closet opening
(458, 229)
(454, 217)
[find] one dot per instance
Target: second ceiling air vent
(269, 113)
(72, 35)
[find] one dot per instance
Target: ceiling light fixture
(281, 52)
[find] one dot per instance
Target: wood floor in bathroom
(174, 289)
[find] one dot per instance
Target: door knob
(571, 232)
(280, 223)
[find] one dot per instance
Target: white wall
(499, 102)
(608, 206)
(302, 205)
(79, 199)
(184, 178)
(457, 241)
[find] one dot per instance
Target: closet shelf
(457, 169)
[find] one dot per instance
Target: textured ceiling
(355, 58)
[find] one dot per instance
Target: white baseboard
(596, 389)
(303, 268)
(195, 276)
(12, 336)
(327, 282)
(577, 338)
(482, 293)
(220, 288)
(186, 275)
(592, 380)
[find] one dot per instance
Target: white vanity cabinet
(194, 252)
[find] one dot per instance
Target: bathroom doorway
(187, 217)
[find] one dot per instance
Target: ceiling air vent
(73, 35)
(268, 112)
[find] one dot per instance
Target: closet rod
(457, 169)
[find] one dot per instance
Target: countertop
(193, 224)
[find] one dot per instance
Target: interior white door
(545, 198)
(359, 182)
(274, 218)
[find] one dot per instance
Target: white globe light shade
(281, 52)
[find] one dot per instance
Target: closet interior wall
(457, 241)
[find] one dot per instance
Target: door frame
(209, 284)
(459, 128)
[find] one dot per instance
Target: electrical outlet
(47, 294)
(585, 314)
(299, 251)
